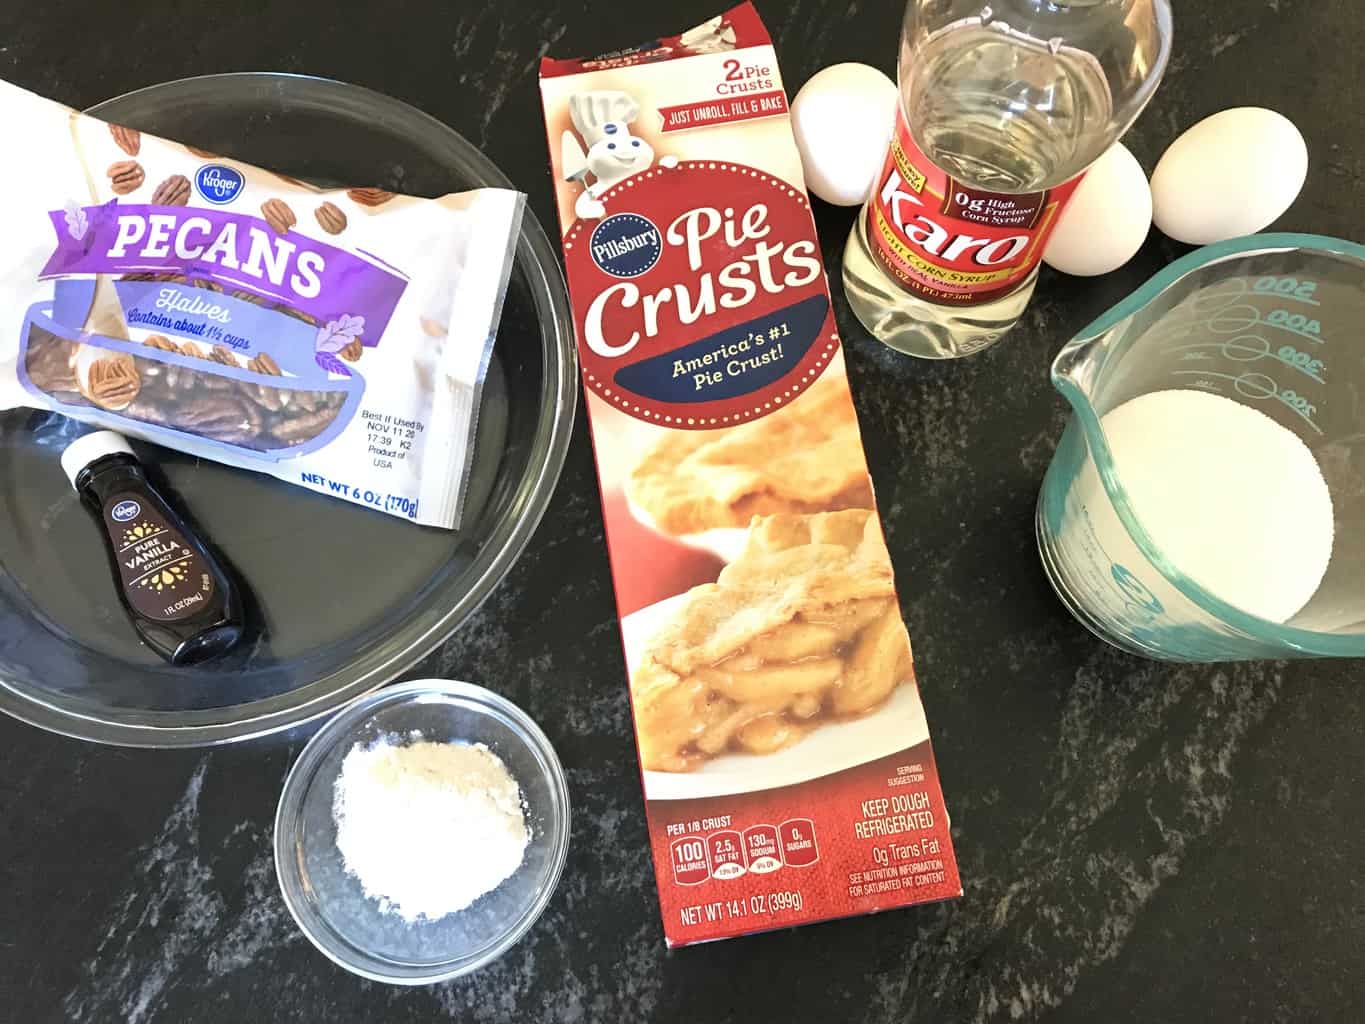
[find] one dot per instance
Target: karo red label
(700, 311)
(948, 242)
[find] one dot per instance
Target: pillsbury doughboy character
(603, 118)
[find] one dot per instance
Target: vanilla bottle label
(163, 577)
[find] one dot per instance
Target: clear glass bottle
(1003, 106)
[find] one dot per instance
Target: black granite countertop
(1138, 842)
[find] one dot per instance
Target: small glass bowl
(329, 904)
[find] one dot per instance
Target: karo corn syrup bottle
(1003, 107)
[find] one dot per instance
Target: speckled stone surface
(1138, 842)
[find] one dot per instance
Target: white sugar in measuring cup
(1275, 322)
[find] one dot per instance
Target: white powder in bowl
(427, 828)
(1233, 499)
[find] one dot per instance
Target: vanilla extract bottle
(182, 603)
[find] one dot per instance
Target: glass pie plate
(340, 599)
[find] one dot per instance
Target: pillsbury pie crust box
(786, 762)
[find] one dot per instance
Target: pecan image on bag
(369, 196)
(127, 139)
(174, 191)
(108, 379)
(161, 343)
(330, 218)
(263, 363)
(304, 426)
(278, 215)
(221, 417)
(221, 354)
(125, 176)
(268, 398)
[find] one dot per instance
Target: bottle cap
(89, 447)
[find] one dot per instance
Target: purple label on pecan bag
(234, 249)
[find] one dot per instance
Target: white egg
(1107, 219)
(843, 119)
(1231, 174)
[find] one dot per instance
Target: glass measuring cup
(1274, 322)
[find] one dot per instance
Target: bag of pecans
(336, 339)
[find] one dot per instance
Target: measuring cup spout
(1081, 361)
(1095, 354)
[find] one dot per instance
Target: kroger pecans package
(786, 762)
(336, 339)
